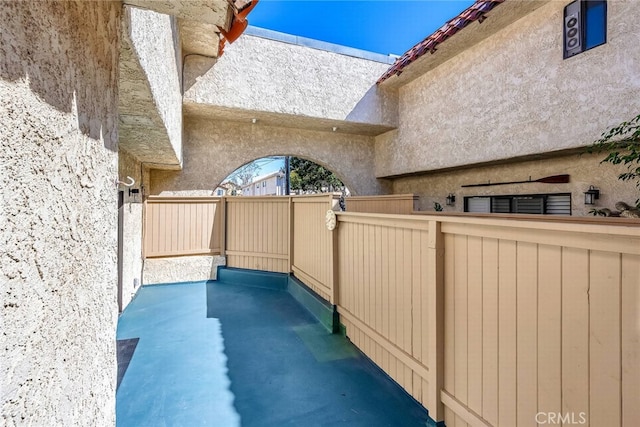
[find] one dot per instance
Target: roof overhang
(216, 12)
(420, 60)
(263, 118)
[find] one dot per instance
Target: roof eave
(456, 36)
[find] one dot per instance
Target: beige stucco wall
(214, 149)
(58, 220)
(182, 269)
(513, 95)
(150, 105)
(584, 170)
(259, 74)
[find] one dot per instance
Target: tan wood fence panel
(393, 204)
(313, 255)
(383, 295)
(541, 318)
(258, 235)
(182, 226)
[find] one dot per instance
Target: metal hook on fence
(126, 184)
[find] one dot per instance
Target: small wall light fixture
(134, 193)
(591, 195)
(335, 128)
(451, 199)
(254, 121)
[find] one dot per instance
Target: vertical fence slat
(475, 331)
(604, 346)
(527, 333)
(549, 344)
(461, 321)
(490, 310)
(434, 300)
(507, 333)
(575, 331)
(630, 316)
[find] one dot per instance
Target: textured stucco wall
(131, 227)
(267, 75)
(584, 170)
(215, 149)
(150, 87)
(182, 269)
(212, 11)
(513, 95)
(58, 220)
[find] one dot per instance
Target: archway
(279, 175)
(214, 149)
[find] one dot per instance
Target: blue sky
(382, 26)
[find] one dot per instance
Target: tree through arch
(306, 176)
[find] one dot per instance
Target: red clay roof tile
(475, 12)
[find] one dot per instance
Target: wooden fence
(176, 226)
(392, 204)
(258, 233)
(487, 321)
(503, 321)
(313, 255)
(386, 265)
(541, 318)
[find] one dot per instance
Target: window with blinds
(548, 204)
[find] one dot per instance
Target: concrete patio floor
(220, 354)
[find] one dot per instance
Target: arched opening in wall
(281, 175)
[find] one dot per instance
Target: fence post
(223, 225)
(333, 259)
(291, 231)
(435, 257)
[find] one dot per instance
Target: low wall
(181, 269)
(391, 204)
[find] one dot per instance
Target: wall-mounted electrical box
(585, 26)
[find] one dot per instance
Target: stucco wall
(513, 95)
(58, 133)
(131, 228)
(150, 87)
(259, 74)
(182, 269)
(214, 149)
(584, 170)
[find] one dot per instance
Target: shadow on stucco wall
(55, 57)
